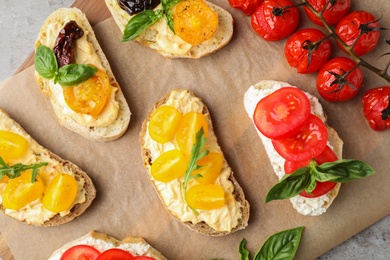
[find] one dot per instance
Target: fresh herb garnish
(305, 178)
(15, 170)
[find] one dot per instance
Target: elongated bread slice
(135, 245)
(218, 222)
(304, 206)
(34, 213)
(150, 37)
(88, 51)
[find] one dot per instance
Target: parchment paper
(127, 205)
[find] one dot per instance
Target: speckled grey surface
(19, 25)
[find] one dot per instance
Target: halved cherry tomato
(332, 13)
(308, 143)
(321, 187)
(12, 145)
(190, 124)
(163, 123)
(211, 166)
(351, 26)
(169, 166)
(307, 50)
(90, 96)
(247, 6)
(82, 252)
(194, 21)
(60, 193)
(282, 113)
(205, 197)
(376, 107)
(115, 254)
(273, 21)
(4, 179)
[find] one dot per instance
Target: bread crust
(238, 193)
(90, 191)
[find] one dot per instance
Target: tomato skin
(12, 145)
(297, 56)
(211, 168)
(163, 124)
(336, 92)
(274, 27)
(142, 257)
(84, 252)
(247, 6)
(374, 102)
(115, 254)
(332, 14)
(205, 197)
(308, 143)
(348, 30)
(169, 166)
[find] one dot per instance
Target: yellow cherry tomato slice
(90, 96)
(12, 145)
(163, 123)
(60, 193)
(211, 168)
(169, 166)
(4, 179)
(21, 191)
(189, 125)
(205, 196)
(194, 21)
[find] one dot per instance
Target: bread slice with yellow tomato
(74, 73)
(187, 167)
(172, 28)
(38, 187)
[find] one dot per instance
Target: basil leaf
(139, 23)
(166, 5)
(244, 253)
(345, 170)
(282, 245)
(73, 74)
(290, 185)
(169, 18)
(45, 62)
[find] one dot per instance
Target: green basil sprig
(46, 65)
(305, 178)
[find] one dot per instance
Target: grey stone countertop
(19, 23)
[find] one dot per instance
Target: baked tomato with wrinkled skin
(247, 6)
(376, 108)
(332, 13)
(84, 252)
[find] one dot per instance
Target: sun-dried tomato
(136, 6)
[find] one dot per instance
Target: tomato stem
(386, 111)
(280, 11)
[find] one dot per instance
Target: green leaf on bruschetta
(139, 23)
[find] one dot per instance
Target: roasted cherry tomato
(169, 166)
(12, 145)
(282, 113)
(359, 22)
(321, 187)
(60, 193)
(307, 50)
(205, 197)
(247, 6)
(82, 252)
(376, 107)
(115, 254)
(90, 96)
(332, 13)
(273, 21)
(163, 123)
(308, 143)
(332, 84)
(211, 166)
(194, 21)
(21, 191)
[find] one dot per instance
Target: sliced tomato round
(282, 113)
(142, 257)
(84, 252)
(308, 143)
(115, 254)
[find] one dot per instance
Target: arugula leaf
(139, 23)
(244, 253)
(73, 74)
(45, 62)
(15, 171)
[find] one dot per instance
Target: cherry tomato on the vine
(359, 22)
(307, 50)
(376, 108)
(333, 83)
(332, 13)
(247, 6)
(275, 19)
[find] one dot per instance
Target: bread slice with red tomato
(234, 214)
(303, 205)
(97, 243)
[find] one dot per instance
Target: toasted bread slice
(237, 209)
(34, 213)
(91, 52)
(148, 38)
(304, 206)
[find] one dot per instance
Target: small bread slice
(148, 38)
(304, 206)
(135, 245)
(97, 133)
(37, 154)
(185, 101)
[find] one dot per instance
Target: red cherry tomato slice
(282, 113)
(247, 6)
(308, 143)
(144, 258)
(376, 108)
(332, 14)
(84, 252)
(321, 187)
(115, 254)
